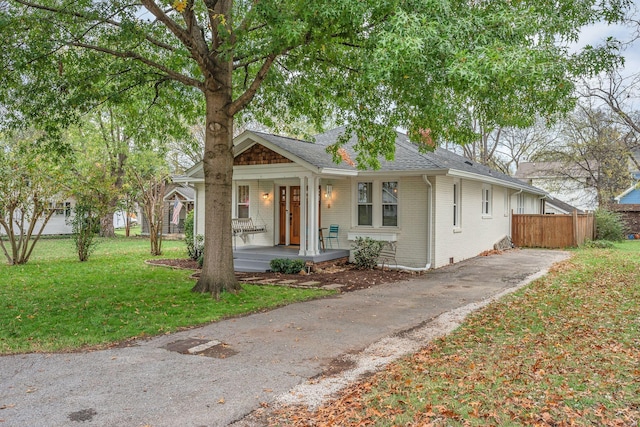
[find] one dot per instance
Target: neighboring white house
(574, 187)
(438, 207)
(58, 223)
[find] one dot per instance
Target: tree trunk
(106, 225)
(217, 270)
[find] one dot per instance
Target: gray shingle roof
(407, 157)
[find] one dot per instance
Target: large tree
(372, 64)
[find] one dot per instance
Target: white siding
(337, 210)
(411, 233)
(477, 232)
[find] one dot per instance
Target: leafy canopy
(428, 66)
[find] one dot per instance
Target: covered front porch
(257, 258)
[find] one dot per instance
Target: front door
(294, 216)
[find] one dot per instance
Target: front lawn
(564, 351)
(55, 303)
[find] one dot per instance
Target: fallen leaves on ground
(564, 351)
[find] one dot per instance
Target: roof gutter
(493, 180)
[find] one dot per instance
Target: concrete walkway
(249, 362)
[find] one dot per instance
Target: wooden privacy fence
(551, 231)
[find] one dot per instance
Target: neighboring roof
(629, 196)
(187, 192)
(408, 158)
(560, 205)
(529, 170)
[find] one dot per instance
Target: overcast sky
(596, 34)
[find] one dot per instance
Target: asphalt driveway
(239, 365)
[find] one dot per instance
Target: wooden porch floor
(257, 258)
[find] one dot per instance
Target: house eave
(493, 180)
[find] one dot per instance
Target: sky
(596, 34)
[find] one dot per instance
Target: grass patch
(55, 303)
(563, 351)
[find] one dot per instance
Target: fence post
(575, 227)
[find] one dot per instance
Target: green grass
(563, 351)
(55, 303)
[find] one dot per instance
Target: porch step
(251, 265)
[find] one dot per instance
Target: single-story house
(438, 207)
(177, 203)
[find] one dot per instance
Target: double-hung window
(365, 203)
(486, 200)
(243, 201)
(456, 204)
(520, 203)
(390, 203)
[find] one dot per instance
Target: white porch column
(303, 216)
(314, 182)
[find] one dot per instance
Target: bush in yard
(195, 243)
(287, 266)
(366, 252)
(85, 225)
(609, 225)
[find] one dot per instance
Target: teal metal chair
(333, 235)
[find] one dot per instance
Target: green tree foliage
(609, 225)
(31, 184)
(373, 64)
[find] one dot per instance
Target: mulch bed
(345, 274)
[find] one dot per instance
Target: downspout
(511, 215)
(430, 226)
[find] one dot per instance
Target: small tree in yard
(30, 185)
(149, 175)
(85, 224)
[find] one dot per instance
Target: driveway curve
(239, 365)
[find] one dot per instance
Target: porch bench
(241, 226)
(388, 255)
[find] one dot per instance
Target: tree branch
(132, 55)
(243, 100)
(86, 17)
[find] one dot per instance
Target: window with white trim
(390, 204)
(456, 204)
(520, 203)
(242, 202)
(486, 200)
(365, 203)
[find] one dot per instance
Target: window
(486, 200)
(365, 203)
(520, 203)
(390, 203)
(67, 209)
(456, 204)
(243, 201)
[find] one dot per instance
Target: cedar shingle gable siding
(259, 155)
